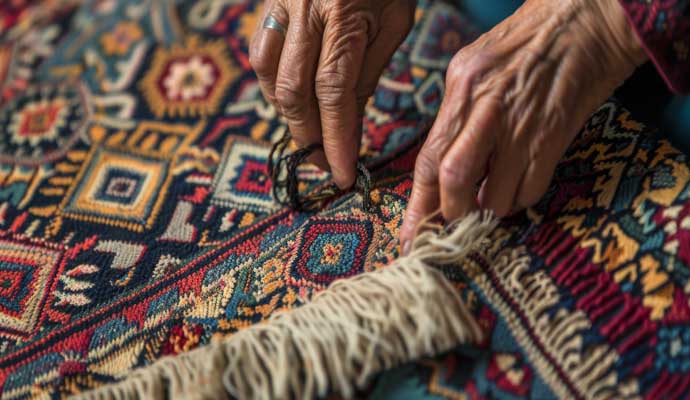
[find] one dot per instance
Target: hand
(515, 99)
(321, 73)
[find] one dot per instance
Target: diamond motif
(441, 36)
(14, 285)
(330, 250)
(119, 188)
(25, 273)
(242, 180)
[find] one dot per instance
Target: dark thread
(283, 169)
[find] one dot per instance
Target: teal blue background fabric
(487, 13)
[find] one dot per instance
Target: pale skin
(515, 98)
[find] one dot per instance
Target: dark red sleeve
(664, 28)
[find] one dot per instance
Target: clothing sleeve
(663, 26)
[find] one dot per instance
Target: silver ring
(271, 23)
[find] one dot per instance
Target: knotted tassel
(283, 169)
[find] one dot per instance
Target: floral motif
(38, 121)
(42, 122)
(331, 253)
(189, 79)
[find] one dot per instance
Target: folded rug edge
(336, 342)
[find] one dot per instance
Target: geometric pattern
(121, 188)
(136, 220)
(42, 123)
(428, 98)
(440, 38)
(331, 249)
(243, 180)
(188, 79)
(25, 273)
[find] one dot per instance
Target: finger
(381, 50)
(465, 163)
(535, 183)
(499, 191)
(456, 104)
(295, 78)
(265, 50)
(344, 44)
(424, 199)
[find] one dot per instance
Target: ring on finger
(272, 23)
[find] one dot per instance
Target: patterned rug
(136, 217)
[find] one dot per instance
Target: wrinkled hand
(320, 75)
(515, 99)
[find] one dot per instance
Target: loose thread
(283, 169)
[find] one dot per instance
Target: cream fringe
(337, 341)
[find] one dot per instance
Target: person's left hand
(321, 71)
(515, 99)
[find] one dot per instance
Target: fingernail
(406, 247)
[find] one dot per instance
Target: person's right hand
(515, 99)
(321, 73)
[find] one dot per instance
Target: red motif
(39, 120)
(254, 178)
(10, 281)
(509, 373)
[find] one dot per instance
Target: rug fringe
(337, 341)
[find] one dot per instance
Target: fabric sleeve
(663, 27)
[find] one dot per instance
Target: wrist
(618, 33)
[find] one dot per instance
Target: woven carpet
(136, 217)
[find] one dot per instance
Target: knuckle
(467, 66)
(451, 174)
(426, 167)
(259, 61)
(269, 97)
(292, 99)
(350, 27)
(455, 78)
(413, 215)
(455, 68)
(331, 89)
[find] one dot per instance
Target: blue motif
(164, 303)
(345, 257)
(673, 349)
(14, 303)
(28, 372)
(13, 193)
(105, 333)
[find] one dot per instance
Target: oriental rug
(137, 223)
